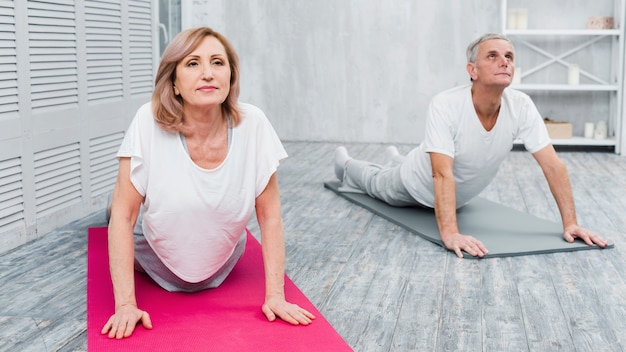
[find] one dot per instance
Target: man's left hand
(574, 231)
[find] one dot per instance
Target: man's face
(494, 64)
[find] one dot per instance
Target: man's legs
(379, 182)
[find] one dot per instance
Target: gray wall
(333, 70)
(363, 70)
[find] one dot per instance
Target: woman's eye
(192, 64)
(218, 62)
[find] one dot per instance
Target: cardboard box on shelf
(558, 129)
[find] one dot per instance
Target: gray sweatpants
(378, 181)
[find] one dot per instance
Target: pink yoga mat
(228, 318)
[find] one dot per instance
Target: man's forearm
(445, 206)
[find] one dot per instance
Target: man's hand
(277, 306)
(458, 243)
(574, 231)
(123, 322)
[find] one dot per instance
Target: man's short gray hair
(472, 48)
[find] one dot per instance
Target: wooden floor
(381, 287)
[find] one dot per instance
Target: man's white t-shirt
(193, 217)
(453, 129)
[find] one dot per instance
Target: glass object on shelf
(601, 130)
(573, 75)
(517, 18)
(589, 130)
(517, 76)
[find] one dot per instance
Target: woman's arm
(124, 211)
(272, 240)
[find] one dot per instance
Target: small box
(599, 22)
(558, 129)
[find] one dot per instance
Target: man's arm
(445, 209)
(555, 172)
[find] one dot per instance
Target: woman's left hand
(276, 306)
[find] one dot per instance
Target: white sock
(341, 158)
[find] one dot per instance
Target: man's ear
(471, 69)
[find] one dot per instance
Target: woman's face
(203, 76)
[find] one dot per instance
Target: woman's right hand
(123, 322)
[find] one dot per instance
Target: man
(469, 132)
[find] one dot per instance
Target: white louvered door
(72, 74)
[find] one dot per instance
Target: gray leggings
(380, 182)
(147, 261)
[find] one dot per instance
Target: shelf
(566, 87)
(572, 32)
(549, 51)
(581, 141)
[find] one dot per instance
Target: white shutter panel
(103, 30)
(57, 179)
(103, 162)
(53, 66)
(11, 195)
(141, 55)
(8, 65)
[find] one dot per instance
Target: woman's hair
(166, 105)
(472, 48)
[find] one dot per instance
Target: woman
(199, 162)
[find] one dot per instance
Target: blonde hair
(167, 107)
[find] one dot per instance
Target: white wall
(337, 70)
(363, 70)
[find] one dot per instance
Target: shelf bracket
(559, 58)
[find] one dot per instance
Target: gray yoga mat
(504, 231)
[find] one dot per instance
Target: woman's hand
(276, 306)
(123, 322)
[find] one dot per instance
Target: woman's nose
(207, 72)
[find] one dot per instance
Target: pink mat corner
(227, 318)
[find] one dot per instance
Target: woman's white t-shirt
(193, 217)
(453, 129)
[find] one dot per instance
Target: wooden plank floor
(381, 287)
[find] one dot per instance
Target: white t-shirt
(193, 217)
(453, 129)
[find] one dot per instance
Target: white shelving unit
(537, 40)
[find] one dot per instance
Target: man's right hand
(458, 243)
(123, 322)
